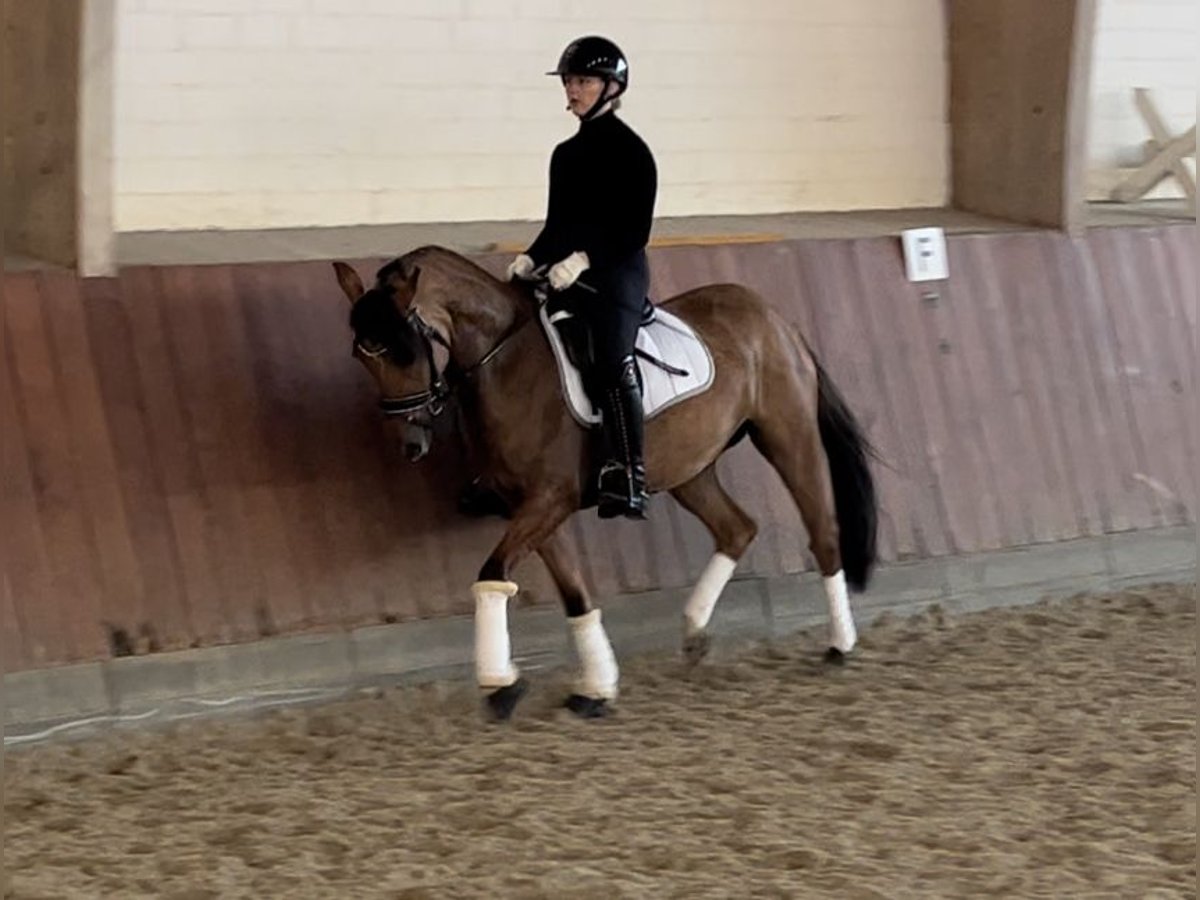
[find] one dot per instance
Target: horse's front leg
(532, 523)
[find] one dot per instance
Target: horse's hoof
(503, 701)
(587, 707)
(835, 657)
(696, 647)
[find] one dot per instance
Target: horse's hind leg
(732, 531)
(792, 445)
(598, 675)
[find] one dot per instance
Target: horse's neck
(503, 395)
(483, 312)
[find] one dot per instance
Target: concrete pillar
(58, 87)
(1019, 73)
(96, 235)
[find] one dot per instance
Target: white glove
(564, 274)
(521, 267)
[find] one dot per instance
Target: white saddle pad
(667, 338)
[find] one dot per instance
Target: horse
(435, 322)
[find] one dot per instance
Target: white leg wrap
(700, 604)
(598, 679)
(493, 653)
(842, 633)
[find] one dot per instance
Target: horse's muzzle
(416, 440)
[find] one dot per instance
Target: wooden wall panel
(191, 456)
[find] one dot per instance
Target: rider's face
(582, 92)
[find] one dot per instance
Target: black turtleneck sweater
(603, 182)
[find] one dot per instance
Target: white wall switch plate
(925, 254)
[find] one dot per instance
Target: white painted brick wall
(277, 113)
(1149, 44)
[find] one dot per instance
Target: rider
(603, 182)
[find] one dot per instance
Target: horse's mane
(375, 318)
(432, 255)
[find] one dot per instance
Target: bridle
(433, 399)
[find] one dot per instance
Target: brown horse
(434, 320)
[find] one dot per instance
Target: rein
(433, 399)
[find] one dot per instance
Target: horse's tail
(848, 450)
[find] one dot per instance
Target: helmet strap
(602, 100)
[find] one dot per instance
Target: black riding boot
(623, 475)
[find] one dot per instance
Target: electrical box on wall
(925, 254)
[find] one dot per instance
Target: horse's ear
(349, 280)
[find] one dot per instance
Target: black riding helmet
(599, 57)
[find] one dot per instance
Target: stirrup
(630, 501)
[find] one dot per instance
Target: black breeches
(612, 316)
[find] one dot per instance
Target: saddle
(673, 362)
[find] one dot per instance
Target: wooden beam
(1147, 176)
(1162, 137)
